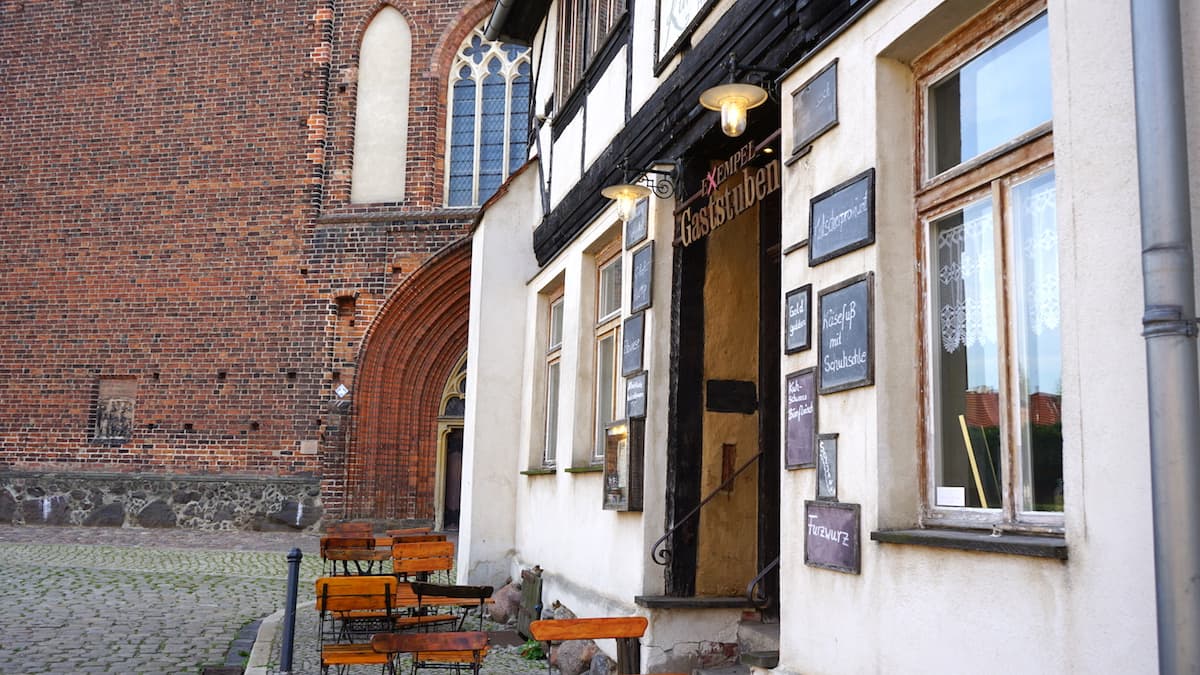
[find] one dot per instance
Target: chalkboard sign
(631, 344)
(827, 466)
(643, 278)
(800, 415)
(635, 396)
(845, 344)
(635, 228)
(814, 108)
(842, 219)
(797, 329)
(832, 536)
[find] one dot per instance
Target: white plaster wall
(381, 110)
(566, 160)
(501, 261)
(919, 609)
(606, 107)
(596, 561)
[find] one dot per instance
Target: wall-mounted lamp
(649, 181)
(735, 98)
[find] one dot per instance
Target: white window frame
(608, 326)
(553, 382)
(991, 174)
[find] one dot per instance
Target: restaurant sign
(720, 198)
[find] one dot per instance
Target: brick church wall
(185, 282)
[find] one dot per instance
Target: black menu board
(800, 415)
(842, 218)
(635, 395)
(631, 344)
(814, 107)
(832, 536)
(797, 329)
(845, 343)
(642, 278)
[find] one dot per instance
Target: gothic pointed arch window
(488, 124)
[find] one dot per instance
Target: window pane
(1039, 343)
(997, 96)
(610, 289)
(967, 359)
(556, 324)
(462, 142)
(606, 372)
(519, 119)
(491, 136)
(551, 451)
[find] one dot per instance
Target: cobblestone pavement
(130, 601)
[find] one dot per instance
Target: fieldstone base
(142, 500)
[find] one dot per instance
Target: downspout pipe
(1170, 328)
(495, 25)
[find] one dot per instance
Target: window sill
(984, 542)
(539, 472)
(594, 468)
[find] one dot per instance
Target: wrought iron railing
(662, 555)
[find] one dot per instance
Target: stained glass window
(489, 121)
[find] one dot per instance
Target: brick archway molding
(406, 356)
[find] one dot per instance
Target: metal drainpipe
(1169, 328)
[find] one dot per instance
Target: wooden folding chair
(434, 650)
(353, 528)
(450, 600)
(422, 559)
(345, 550)
(626, 630)
(352, 607)
(408, 530)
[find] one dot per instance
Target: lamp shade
(733, 100)
(626, 196)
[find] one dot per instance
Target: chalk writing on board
(800, 419)
(636, 228)
(826, 532)
(827, 466)
(845, 340)
(799, 331)
(635, 395)
(631, 344)
(832, 536)
(643, 268)
(842, 219)
(814, 107)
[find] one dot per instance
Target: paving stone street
(131, 601)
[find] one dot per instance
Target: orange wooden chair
(434, 650)
(626, 630)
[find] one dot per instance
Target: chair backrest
(408, 530)
(626, 630)
(414, 538)
(557, 630)
(350, 529)
(395, 643)
(328, 543)
(422, 556)
(480, 593)
(356, 593)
